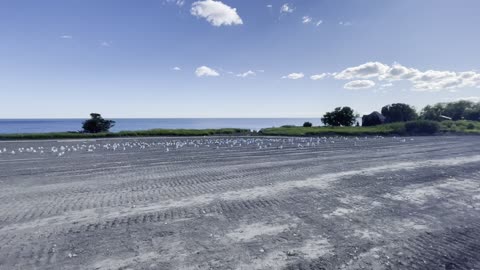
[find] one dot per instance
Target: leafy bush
(399, 112)
(373, 119)
(96, 124)
(433, 113)
(449, 124)
(422, 127)
(307, 124)
(470, 126)
(457, 110)
(339, 117)
(473, 114)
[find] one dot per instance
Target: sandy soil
(241, 203)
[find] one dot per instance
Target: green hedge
(422, 127)
(140, 133)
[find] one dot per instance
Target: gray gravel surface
(241, 203)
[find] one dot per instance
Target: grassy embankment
(141, 133)
(445, 127)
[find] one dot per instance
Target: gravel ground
(241, 203)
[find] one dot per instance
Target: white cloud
(246, 74)
(306, 19)
(177, 2)
(294, 76)
(269, 6)
(386, 85)
(430, 80)
(365, 71)
(345, 23)
(398, 72)
(286, 8)
(472, 99)
(66, 37)
(105, 44)
(318, 76)
(319, 23)
(359, 84)
(176, 68)
(205, 71)
(216, 12)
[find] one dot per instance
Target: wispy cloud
(311, 20)
(205, 71)
(105, 44)
(176, 2)
(66, 37)
(473, 99)
(386, 85)
(216, 13)
(364, 71)
(294, 76)
(318, 76)
(306, 19)
(345, 23)
(359, 84)
(176, 68)
(286, 8)
(246, 74)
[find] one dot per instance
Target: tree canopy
(399, 112)
(373, 119)
(97, 124)
(457, 110)
(341, 116)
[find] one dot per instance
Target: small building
(373, 119)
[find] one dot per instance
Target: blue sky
(174, 58)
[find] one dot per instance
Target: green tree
(307, 124)
(399, 112)
(373, 119)
(97, 124)
(456, 110)
(422, 127)
(341, 116)
(433, 113)
(473, 113)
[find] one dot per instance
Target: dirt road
(241, 203)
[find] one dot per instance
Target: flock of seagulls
(61, 149)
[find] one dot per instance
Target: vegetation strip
(398, 129)
(411, 128)
(139, 133)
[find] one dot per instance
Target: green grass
(389, 129)
(141, 133)
(446, 127)
(462, 127)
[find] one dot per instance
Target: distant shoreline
(16, 126)
(462, 127)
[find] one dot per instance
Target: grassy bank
(400, 129)
(323, 131)
(141, 133)
(446, 127)
(462, 127)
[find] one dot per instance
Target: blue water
(60, 125)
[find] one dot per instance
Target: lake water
(59, 125)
